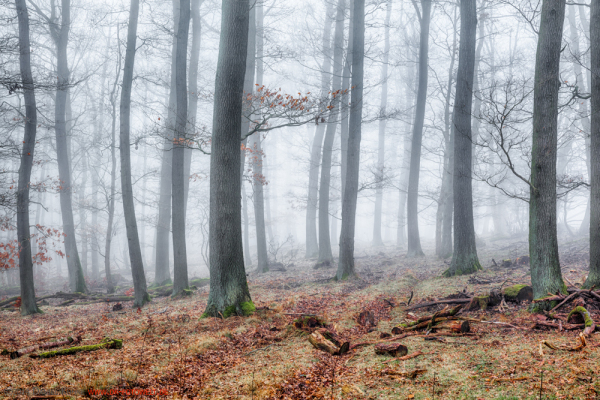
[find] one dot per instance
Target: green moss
(105, 344)
(204, 316)
(483, 301)
(584, 313)
(513, 291)
(200, 282)
(229, 311)
(248, 307)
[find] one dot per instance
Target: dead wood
(393, 349)
(9, 301)
(434, 303)
(588, 322)
(367, 319)
(320, 342)
(452, 326)
(408, 374)
(48, 345)
(406, 357)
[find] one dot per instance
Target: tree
(543, 242)
(464, 257)
(325, 254)
(377, 240)
(346, 261)
(28, 305)
(180, 271)
(412, 206)
(60, 36)
(312, 245)
(229, 292)
(133, 240)
(593, 278)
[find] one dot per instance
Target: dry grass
(264, 357)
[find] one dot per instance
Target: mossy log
(590, 325)
(10, 301)
(105, 344)
(320, 342)
(48, 345)
(518, 293)
(393, 349)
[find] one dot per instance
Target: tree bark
(229, 292)
(543, 243)
(28, 305)
(259, 209)
(180, 269)
(133, 241)
(312, 245)
(346, 260)
(345, 125)
(464, 257)
(593, 278)
(377, 240)
(585, 223)
(325, 253)
(412, 206)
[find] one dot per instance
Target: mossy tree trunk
(464, 257)
(228, 285)
(593, 278)
(543, 243)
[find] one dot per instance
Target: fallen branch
(105, 344)
(579, 347)
(406, 357)
(49, 345)
(9, 301)
(434, 303)
(590, 325)
(393, 349)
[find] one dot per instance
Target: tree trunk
(229, 292)
(180, 269)
(133, 241)
(464, 257)
(443, 227)
(377, 240)
(585, 121)
(412, 210)
(162, 274)
(325, 254)
(247, 257)
(259, 209)
(28, 305)
(83, 229)
(543, 243)
(345, 107)
(593, 278)
(193, 93)
(312, 246)
(346, 259)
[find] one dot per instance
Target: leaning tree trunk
(377, 240)
(28, 305)
(180, 268)
(76, 279)
(346, 259)
(162, 273)
(543, 242)
(412, 204)
(593, 278)
(229, 292)
(325, 254)
(133, 240)
(464, 257)
(312, 245)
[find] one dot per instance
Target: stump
(393, 349)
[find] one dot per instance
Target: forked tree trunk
(543, 242)
(28, 305)
(229, 292)
(325, 254)
(312, 245)
(346, 260)
(593, 278)
(412, 204)
(464, 257)
(133, 241)
(377, 240)
(180, 269)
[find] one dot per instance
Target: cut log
(366, 318)
(444, 313)
(393, 349)
(49, 345)
(321, 343)
(105, 344)
(452, 326)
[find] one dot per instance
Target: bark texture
(464, 257)
(346, 261)
(133, 240)
(412, 206)
(228, 286)
(28, 305)
(543, 243)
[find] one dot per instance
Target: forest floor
(169, 351)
